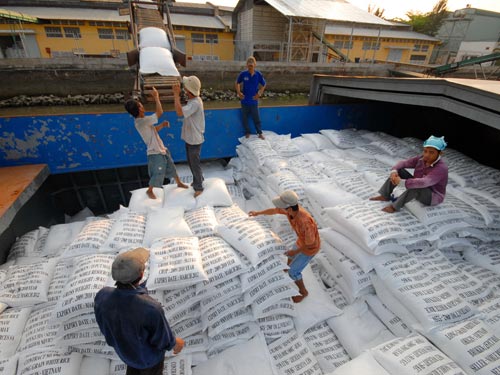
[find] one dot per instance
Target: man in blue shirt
(250, 86)
(132, 322)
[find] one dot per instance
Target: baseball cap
(287, 199)
(192, 84)
(128, 266)
(436, 142)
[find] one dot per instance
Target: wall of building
(468, 50)
(483, 27)
(205, 44)
(370, 48)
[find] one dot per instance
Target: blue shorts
(160, 167)
(299, 262)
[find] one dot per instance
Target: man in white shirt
(160, 163)
(193, 126)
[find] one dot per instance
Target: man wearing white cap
(193, 126)
(132, 322)
(428, 182)
(308, 241)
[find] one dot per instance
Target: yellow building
(59, 32)
(203, 31)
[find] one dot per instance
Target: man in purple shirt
(428, 183)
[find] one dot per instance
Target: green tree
(376, 10)
(428, 23)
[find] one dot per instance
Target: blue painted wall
(71, 143)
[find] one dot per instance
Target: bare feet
(197, 192)
(182, 185)
(150, 193)
(247, 135)
(389, 209)
(379, 198)
(300, 297)
(261, 136)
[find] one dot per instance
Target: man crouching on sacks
(132, 322)
(427, 185)
(308, 241)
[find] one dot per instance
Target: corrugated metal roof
(359, 31)
(10, 14)
(82, 14)
(209, 22)
(336, 10)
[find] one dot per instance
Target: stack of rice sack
(155, 54)
(415, 292)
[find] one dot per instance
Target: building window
(417, 59)
(105, 33)
(122, 34)
(212, 38)
(425, 48)
(416, 48)
(197, 38)
(338, 44)
(371, 46)
(72, 32)
(53, 32)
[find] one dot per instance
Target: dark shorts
(160, 167)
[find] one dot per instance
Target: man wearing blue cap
(427, 184)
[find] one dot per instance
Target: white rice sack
(27, 285)
(176, 263)
(220, 293)
(195, 343)
(166, 222)
(491, 314)
(337, 297)
(91, 273)
(12, 323)
(62, 272)
(260, 150)
(157, 60)
(432, 302)
(366, 225)
(303, 144)
(228, 314)
(355, 183)
(311, 175)
(334, 169)
(490, 192)
(49, 362)
(89, 338)
(316, 307)
(94, 349)
(24, 245)
(117, 367)
(285, 180)
(59, 236)
(263, 270)
(285, 147)
(486, 256)
(340, 139)
(252, 240)
(356, 280)
(238, 334)
(178, 197)
(386, 316)
(153, 37)
(91, 238)
(414, 355)
(291, 355)
(363, 364)
(178, 365)
(269, 291)
(230, 215)
(487, 277)
(349, 248)
(327, 195)
(8, 366)
(201, 221)
(94, 366)
(140, 202)
(177, 300)
(275, 326)
(127, 232)
(358, 329)
(215, 193)
(38, 335)
(433, 214)
(249, 358)
(326, 347)
(320, 141)
(394, 304)
(188, 326)
(220, 262)
(472, 344)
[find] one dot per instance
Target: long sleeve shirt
(134, 324)
(434, 177)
